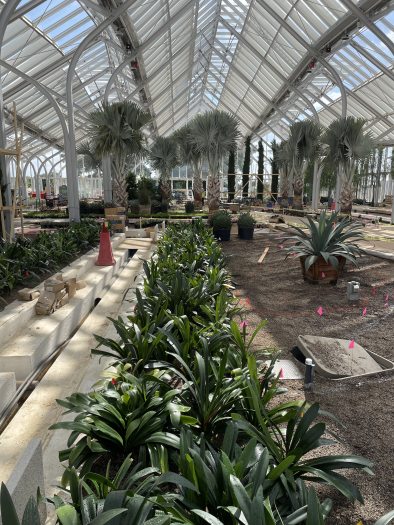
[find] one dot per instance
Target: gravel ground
(275, 290)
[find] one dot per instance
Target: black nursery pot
(222, 234)
(245, 233)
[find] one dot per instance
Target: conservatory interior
(196, 262)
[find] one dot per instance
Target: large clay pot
(321, 272)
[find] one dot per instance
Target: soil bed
(275, 291)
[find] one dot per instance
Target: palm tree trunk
(298, 186)
(213, 193)
(119, 184)
(165, 187)
(346, 197)
(197, 186)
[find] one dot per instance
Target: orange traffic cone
(105, 256)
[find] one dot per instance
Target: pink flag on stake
(281, 374)
(320, 311)
(323, 275)
(386, 305)
(280, 246)
(351, 344)
(386, 298)
(364, 311)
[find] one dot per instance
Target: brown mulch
(275, 290)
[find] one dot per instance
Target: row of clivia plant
(26, 260)
(185, 428)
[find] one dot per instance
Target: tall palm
(189, 154)
(285, 180)
(214, 134)
(347, 143)
(302, 147)
(164, 158)
(116, 130)
(91, 161)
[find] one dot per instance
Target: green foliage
(330, 238)
(246, 166)
(28, 259)
(131, 185)
(163, 155)
(189, 413)
(91, 208)
(221, 220)
(260, 169)
(231, 180)
(245, 220)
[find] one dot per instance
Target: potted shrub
(189, 207)
(325, 247)
(221, 223)
(246, 226)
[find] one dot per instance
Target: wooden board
(263, 255)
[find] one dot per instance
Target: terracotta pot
(321, 271)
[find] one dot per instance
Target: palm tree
(302, 147)
(91, 161)
(347, 143)
(116, 130)
(189, 154)
(284, 172)
(214, 134)
(164, 158)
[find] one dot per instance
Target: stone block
(53, 285)
(7, 388)
(28, 294)
(26, 478)
(80, 285)
(46, 303)
(71, 287)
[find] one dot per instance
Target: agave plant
(347, 144)
(330, 239)
(300, 149)
(164, 158)
(116, 130)
(189, 154)
(214, 134)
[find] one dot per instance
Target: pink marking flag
(319, 311)
(386, 298)
(364, 311)
(323, 275)
(281, 374)
(386, 305)
(351, 344)
(280, 246)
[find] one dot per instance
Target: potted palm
(246, 226)
(164, 158)
(190, 155)
(116, 130)
(326, 246)
(214, 134)
(347, 144)
(221, 223)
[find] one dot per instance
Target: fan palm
(92, 162)
(189, 154)
(347, 144)
(301, 148)
(116, 130)
(214, 134)
(164, 158)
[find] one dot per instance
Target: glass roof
(270, 63)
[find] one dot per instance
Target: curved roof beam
(312, 50)
(368, 23)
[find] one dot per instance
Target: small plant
(245, 220)
(221, 220)
(189, 207)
